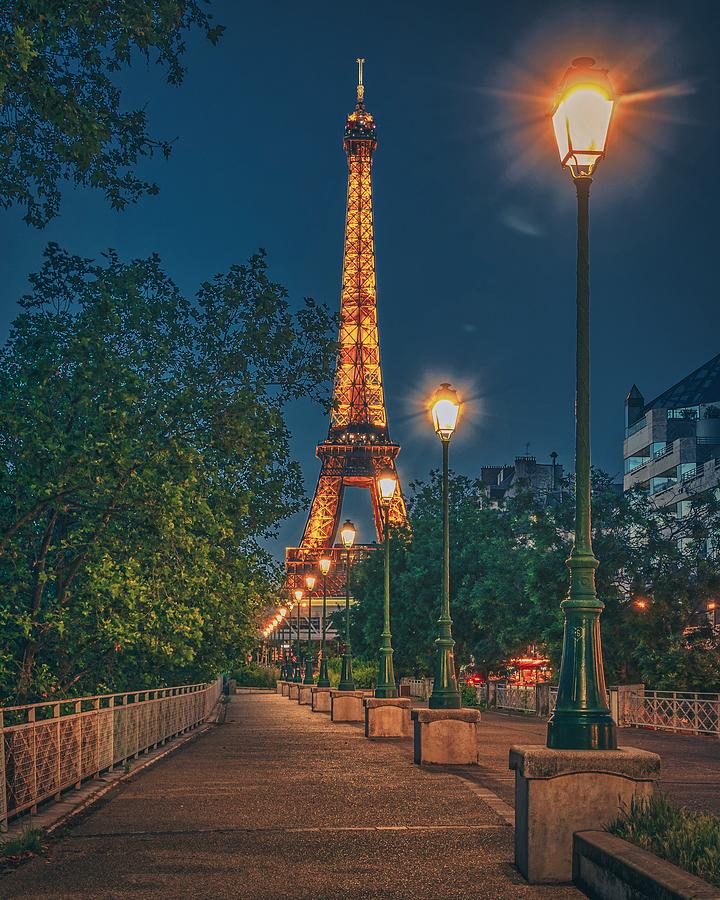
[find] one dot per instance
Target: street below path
(690, 765)
(280, 802)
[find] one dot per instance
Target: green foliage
(29, 841)
(508, 577)
(690, 840)
(253, 675)
(61, 116)
(143, 456)
(364, 672)
(469, 696)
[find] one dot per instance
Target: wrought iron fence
(49, 747)
(686, 712)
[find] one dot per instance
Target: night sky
(475, 221)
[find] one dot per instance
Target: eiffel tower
(358, 444)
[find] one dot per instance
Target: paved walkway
(279, 802)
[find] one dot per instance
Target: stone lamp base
(321, 699)
(446, 736)
(347, 706)
(559, 792)
(387, 717)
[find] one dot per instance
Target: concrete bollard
(446, 736)
(305, 694)
(347, 706)
(387, 717)
(321, 699)
(559, 792)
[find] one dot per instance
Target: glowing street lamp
(445, 410)
(347, 683)
(323, 677)
(310, 580)
(582, 719)
(297, 677)
(386, 687)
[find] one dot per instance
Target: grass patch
(16, 850)
(690, 840)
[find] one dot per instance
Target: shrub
(253, 675)
(469, 696)
(690, 840)
(364, 672)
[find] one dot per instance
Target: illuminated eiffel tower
(358, 445)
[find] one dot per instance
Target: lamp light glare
(347, 534)
(581, 117)
(387, 485)
(325, 563)
(445, 409)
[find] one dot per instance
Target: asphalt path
(279, 802)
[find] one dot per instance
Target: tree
(60, 109)
(144, 455)
(508, 577)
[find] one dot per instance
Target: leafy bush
(364, 672)
(253, 675)
(469, 696)
(690, 840)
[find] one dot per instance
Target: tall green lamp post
(310, 585)
(347, 683)
(297, 676)
(323, 677)
(386, 687)
(445, 409)
(582, 719)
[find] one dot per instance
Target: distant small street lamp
(386, 687)
(309, 584)
(323, 677)
(347, 683)
(445, 409)
(582, 719)
(297, 678)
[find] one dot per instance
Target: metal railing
(516, 696)
(49, 747)
(681, 711)
(421, 688)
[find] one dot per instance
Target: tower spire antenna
(360, 88)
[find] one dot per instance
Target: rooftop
(701, 386)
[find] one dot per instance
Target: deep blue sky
(475, 223)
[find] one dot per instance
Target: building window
(684, 412)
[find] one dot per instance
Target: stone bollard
(559, 792)
(387, 717)
(279, 688)
(285, 688)
(305, 694)
(347, 706)
(293, 691)
(446, 736)
(321, 699)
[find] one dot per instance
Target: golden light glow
(310, 582)
(325, 563)
(581, 118)
(298, 594)
(283, 611)
(347, 534)
(445, 409)
(387, 485)
(641, 603)
(711, 604)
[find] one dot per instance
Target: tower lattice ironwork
(358, 444)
